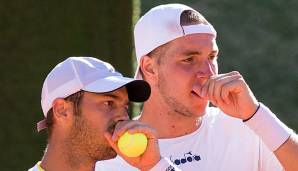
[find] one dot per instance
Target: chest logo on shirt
(187, 157)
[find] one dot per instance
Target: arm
(287, 153)
(281, 140)
(233, 96)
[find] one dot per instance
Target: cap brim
(138, 90)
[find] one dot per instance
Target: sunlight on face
(100, 113)
(188, 61)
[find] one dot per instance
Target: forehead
(199, 41)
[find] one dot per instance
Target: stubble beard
(172, 102)
(83, 144)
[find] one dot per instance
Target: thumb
(113, 144)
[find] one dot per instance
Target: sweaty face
(187, 62)
(99, 113)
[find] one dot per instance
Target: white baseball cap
(161, 25)
(88, 74)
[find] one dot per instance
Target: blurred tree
(34, 37)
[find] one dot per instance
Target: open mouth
(111, 128)
(195, 94)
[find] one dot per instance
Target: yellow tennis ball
(132, 145)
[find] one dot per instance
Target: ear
(147, 65)
(61, 110)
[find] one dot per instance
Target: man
(177, 54)
(85, 104)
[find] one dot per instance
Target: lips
(197, 88)
(111, 128)
(196, 94)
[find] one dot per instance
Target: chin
(111, 156)
(199, 113)
(200, 110)
(107, 154)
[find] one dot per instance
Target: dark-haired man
(85, 103)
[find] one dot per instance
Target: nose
(121, 115)
(206, 70)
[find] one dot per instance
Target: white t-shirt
(222, 143)
(36, 167)
(163, 164)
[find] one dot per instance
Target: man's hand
(230, 93)
(150, 157)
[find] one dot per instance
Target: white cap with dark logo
(88, 74)
(161, 25)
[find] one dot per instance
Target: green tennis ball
(132, 145)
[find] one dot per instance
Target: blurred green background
(257, 38)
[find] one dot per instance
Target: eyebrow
(111, 95)
(215, 51)
(189, 53)
(114, 96)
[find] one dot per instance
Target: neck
(169, 124)
(59, 156)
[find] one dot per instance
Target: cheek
(179, 71)
(98, 121)
(177, 78)
(99, 127)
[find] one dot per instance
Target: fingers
(151, 154)
(231, 86)
(113, 144)
(133, 127)
(218, 88)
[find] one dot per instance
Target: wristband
(245, 120)
(269, 128)
(164, 165)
